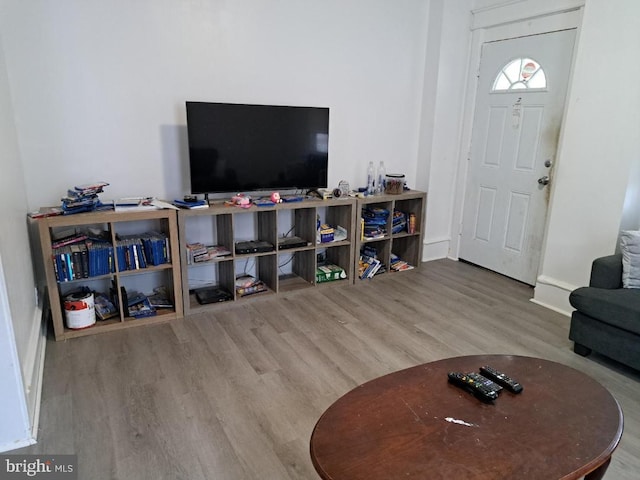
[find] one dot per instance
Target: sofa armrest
(606, 272)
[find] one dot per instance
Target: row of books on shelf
(73, 262)
(86, 257)
(199, 252)
(138, 305)
(399, 222)
(370, 265)
(374, 222)
(135, 252)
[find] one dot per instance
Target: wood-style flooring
(235, 393)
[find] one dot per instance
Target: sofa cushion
(630, 249)
(606, 272)
(620, 307)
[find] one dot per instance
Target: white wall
(20, 330)
(94, 90)
(445, 79)
(99, 87)
(601, 141)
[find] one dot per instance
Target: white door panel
(514, 132)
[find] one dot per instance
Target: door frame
(483, 33)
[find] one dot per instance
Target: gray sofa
(607, 316)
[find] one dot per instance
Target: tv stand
(281, 270)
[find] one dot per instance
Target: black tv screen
(241, 148)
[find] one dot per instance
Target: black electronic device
(262, 246)
(241, 148)
(501, 379)
(479, 389)
(484, 380)
(253, 246)
(245, 247)
(285, 243)
(208, 295)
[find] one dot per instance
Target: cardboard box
(326, 233)
(329, 273)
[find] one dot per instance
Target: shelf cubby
(408, 246)
(281, 270)
(110, 226)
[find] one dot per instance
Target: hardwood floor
(235, 394)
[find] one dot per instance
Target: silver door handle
(544, 180)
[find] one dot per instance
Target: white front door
(519, 106)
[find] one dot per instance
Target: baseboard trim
(435, 249)
(34, 397)
(33, 374)
(550, 307)
(553, 294)
(7, 447)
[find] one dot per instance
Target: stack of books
(399, 222)
(199, 252)
(248, 285)
(369, 263)
(374, 222)
(84, 198)
(191, 204)
(160, 298)
(137, 304)
(105, 308)
(368, 266)
(399, 265)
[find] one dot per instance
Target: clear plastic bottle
(380, 184)
(370, 179)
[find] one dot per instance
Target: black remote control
(501, 379)
(484, 380)
(479, 389)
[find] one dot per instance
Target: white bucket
(80, 310)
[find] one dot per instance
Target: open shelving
(141, 277)
(281, 270)
(406, 245)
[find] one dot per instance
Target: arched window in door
(520, 74)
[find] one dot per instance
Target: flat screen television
(247, 148)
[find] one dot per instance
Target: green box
(329, 273)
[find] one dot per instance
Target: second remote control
(480, 390)
(501, 379)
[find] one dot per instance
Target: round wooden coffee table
(414, 424)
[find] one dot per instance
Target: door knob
(544, 180)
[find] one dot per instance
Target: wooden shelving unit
(408, 246)
(143, 279)
(280, 270)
